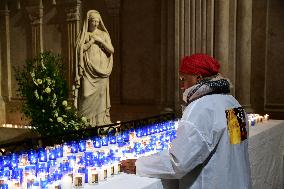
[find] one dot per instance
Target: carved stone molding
(72, 9)
(4, 12)
(35, 14)
(73, 13)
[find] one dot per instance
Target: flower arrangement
(44, 88)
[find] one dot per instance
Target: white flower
(43, 110)
(47, 90)
(50, 120)
(39, 81)
(68, 108)
(56, 114)
(36, 94)
(84, 119)
(32, 74)
(59, 119)
(48, 81)
(64, 103)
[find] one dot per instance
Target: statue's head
(94, 19)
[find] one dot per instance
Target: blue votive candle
(74, 147)
(42, 155)
(82, 145)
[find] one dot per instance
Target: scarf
(210, 85)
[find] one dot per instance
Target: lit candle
(112, 139)
(97, 142)
(93, 176)
(14, 161)
(266, 117)
(59, 151)
(82, 146)
(88, 158)
(89, 145)
(104, 141)
(66, 182)
(42, 155)
(78, 180)
(32, 156)
(52, 153)
(74, 147)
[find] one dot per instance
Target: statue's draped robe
(94, 98)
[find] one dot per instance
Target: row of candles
(16, 126)
(253, 119)
(86, 161)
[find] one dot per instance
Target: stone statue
(94, 62)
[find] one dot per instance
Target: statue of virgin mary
(94, 62)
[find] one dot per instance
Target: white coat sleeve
(189, 149)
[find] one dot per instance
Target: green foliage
(44, 89)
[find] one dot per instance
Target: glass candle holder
(52, 153)
(14, 161)
(42, 167)
(125, 136)
(104, 140)
(74, 147)
(93, 176)
(112, 139)
(17, 175)
(89, 145)
(66, 149)
(32, 156)
(80, 160)
(79, 178)
(138, 132)
(88, 159)
(119, 139)
(72, 161)
(97, 142)
(59, 151)
(6, 161)
(42, 155)
(82, 145)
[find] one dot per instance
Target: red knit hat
(199, 64)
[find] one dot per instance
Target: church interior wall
(149, 46)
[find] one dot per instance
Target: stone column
(179, 25)
(73, 28)
(167, 65)
(5, 64)
(114, 30)
(35, 15)
(222, 34)
(244, 23)
(231, 74)
(210, 27)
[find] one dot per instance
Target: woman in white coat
(211, 148)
